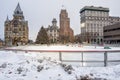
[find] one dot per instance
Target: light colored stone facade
(65, 30)
(92, 20)
(53, 32)
(113, 20)
(16, 30)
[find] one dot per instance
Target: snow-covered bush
(27, 61)
(67, 68)
(4, 65)
(63, 65)
(19, 69)
(88, 77)
(40, 61)
(39, 68)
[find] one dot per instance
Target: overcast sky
(41, 12)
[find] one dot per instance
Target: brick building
(66, 32)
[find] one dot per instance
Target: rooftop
(93, 8)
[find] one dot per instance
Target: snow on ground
(30, 66)
(62, 47)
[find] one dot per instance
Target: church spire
(7, 19)
(18, 13)
(18, 10)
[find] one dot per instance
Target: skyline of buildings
(38, 14)
(16, 30)
(93, 19)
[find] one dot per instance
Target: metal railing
(82, 52)
(105, 61)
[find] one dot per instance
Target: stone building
(66, 33)
(16, 30)
(112, 34)
(113, 20)
(53, 32)
(93, 19)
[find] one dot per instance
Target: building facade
(113, 20)
(93, 19)
(16, 30)
(53, 32)
(66, 33)
(1, 43)
(112, 34)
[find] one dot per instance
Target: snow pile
(28, 66)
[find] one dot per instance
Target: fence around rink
(82, 52)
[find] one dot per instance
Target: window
(20, 29)
(15, 31)
(87, 24)
(6, 29)
(24, 29)
(50, 30)
(15, 23)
